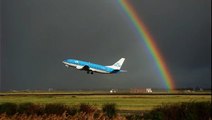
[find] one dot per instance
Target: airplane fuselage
(88, 66)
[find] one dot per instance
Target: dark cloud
(37, 35)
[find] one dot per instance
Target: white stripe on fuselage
(97, 70)
(72, 65)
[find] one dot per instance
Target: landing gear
(88, 72)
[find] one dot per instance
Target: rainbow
(149, 43)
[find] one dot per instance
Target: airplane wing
(87, 68)
(83, 67)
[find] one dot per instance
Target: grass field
(124, 102)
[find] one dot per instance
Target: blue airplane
(92, 67)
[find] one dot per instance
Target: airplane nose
(64, 61)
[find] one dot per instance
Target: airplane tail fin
(118, 64)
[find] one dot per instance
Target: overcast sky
(37, 35)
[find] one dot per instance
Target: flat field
(131, 102)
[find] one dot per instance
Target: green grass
(124, 102)
(175, 111)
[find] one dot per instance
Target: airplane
(92, 67)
